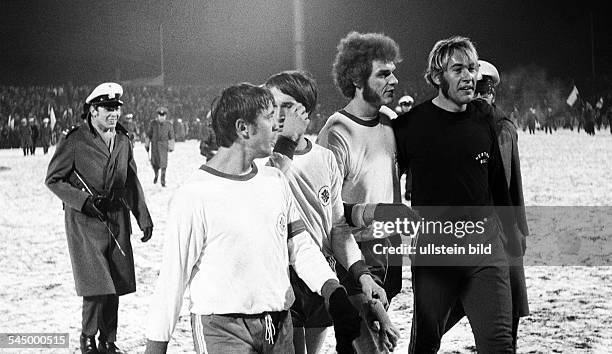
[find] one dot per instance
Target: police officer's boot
(163, 177)
(156, 173)
(108, 347)
(88, 344)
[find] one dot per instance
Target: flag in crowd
(573, 96)
(52, 117)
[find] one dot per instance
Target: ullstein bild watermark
(555, 236)
(410, 250)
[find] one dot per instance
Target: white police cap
(107, 93)
(406, 99)
(488, 69)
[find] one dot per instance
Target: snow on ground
(571, 308)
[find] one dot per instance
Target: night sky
(221, 42)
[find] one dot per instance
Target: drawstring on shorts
(270, 330)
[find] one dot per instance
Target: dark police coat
(45, 135)
(508, 147)
(25, 136)
(97, 264)
(161, 136)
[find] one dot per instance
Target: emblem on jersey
(482, 158)
(324, 195)
(281, 225)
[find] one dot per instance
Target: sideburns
(369, 95)
(444, 85)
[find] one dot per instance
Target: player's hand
(148, 233)
(373, 291)
(379, 321)
(280, 161)
(293, 120)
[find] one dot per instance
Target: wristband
(358, 269)
(285, 146)
(348, 214)
(328, 288)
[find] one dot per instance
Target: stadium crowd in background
(189, 104)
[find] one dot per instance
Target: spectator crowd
(23, 108)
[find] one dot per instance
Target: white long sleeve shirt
(230, 239)
(316, 184)
(367, 159)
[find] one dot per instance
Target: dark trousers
(163, 174)
(520, 306)
(100, 313)
(458, 312)
(484, 293)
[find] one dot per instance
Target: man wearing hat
(34, 128)
(405, 104)
(161, 141)
(45, 135)
(488, 79)
(131, 127)
(93, 172)
(25, 137)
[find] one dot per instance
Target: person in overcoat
(45, 135)
(35, 134)
(25, 137)
(160, 141)
(93, 172)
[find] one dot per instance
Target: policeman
(160, 141)
(131, 127)
(488, 79)
(35, 133)
(45, 135)
(405, 103)
(93, 172)
(25, 137)
(208, 141)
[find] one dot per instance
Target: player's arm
(293, 128)
(370, 217)
(310, 265)
(185, 238)
(343, 244)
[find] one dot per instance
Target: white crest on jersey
(281, 225)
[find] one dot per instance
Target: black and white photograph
(305, 176)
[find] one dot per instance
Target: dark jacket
(97, 264)
(25, 136)
(161, 137)
(508, 147)
(45, 135)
